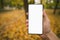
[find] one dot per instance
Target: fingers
(26, 13)
(45, 18)
(27, 23)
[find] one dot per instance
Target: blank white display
(35, 19)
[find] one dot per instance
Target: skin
(47, 32)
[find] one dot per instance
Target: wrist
(45, 35)
(47, 32)
(50, 32)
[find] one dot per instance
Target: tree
(2, 3)
(26, 5)
(57, 2)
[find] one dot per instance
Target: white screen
(35, 19)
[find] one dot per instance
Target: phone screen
(35, 18)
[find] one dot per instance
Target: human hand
(46, 23)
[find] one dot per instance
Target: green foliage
(13, 3)
(31, 2)
(51, 4)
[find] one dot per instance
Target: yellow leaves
(15, 28)
(10, 35)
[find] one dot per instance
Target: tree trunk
(26, 5)
(57, 2)
(2, 4)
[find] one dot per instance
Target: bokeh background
(13, 18)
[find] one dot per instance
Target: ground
(12, 20)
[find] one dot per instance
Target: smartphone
(35, 18)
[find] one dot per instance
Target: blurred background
(19, 7)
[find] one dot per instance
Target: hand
(47, 33)
(46, 23)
